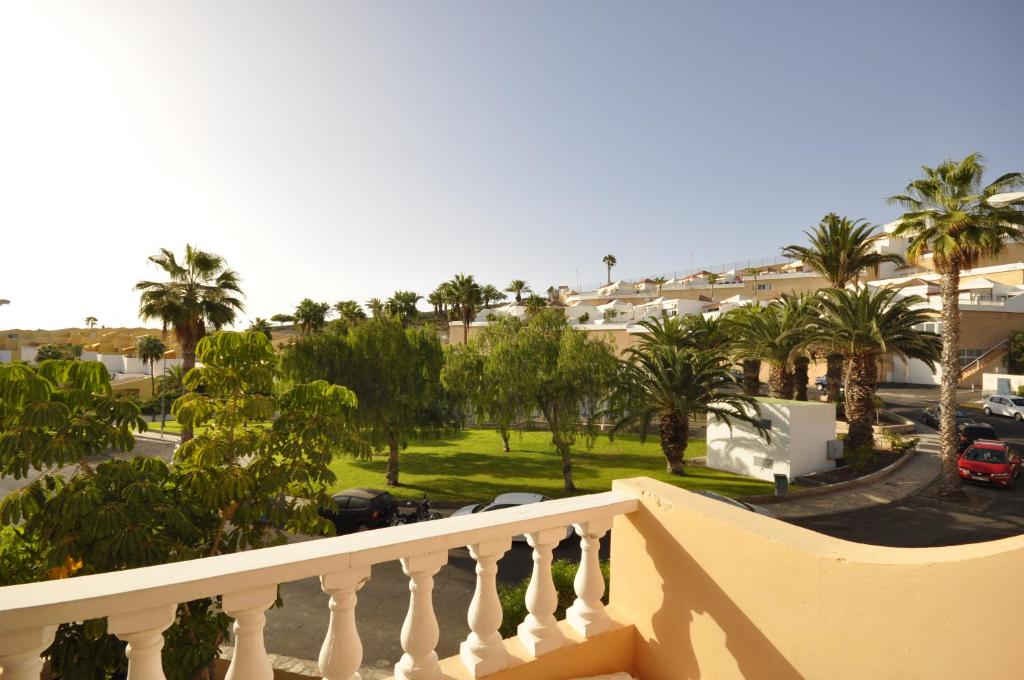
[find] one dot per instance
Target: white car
(1005, 405)
(507, 500)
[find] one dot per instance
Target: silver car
(507, 500)
(1005, 405)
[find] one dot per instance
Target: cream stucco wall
(715, 592)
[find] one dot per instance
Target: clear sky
(342, 150)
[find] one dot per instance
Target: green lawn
(471, 466)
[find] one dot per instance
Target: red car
(989, 461)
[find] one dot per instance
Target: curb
(838, 486)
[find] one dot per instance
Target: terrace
(698, 589)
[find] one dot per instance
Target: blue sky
(344, 150)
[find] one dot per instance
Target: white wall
(28, 353)
(799, 434)
(113, 362)
(990, 382)
(5, 355)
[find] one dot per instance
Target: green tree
(1015, 352)
(376, 307)
(670, 381)
(774, 334)
(261, 325)
(660, 281)
(534, 304)
(402, 306)
(518, 287)
(350, 311)
(395, 373)
(53, 351)
(150, 351)
(283, 319)
(712, 280)
(609, 261)
(91, 321)
(172, 381)
(201, 293)
(949, 215)
(311, 316)
(466, 298)
(863, 324)
(490, 293)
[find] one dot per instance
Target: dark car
(821, 382)
(361, 509)
(972, 432)
(930, 417)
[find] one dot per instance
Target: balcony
(699, 590)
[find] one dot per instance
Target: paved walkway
(914, 476)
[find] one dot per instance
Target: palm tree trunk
(152, 381)
(392, 472)
(563, 449)
(465, 329)
(800, 368)
(675, 430)
(188, 362)
(950, 362)
(834, 376)
(860, 392)
(751, 377)
(778, 379)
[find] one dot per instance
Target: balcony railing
(140, 604)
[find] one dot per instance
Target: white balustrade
(540, 633)
(483, 652)
(247, 607)
(420, 632)
(342, 651)
(20, 652)
(144, 632)
(587, 614)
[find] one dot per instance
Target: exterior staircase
(991, 356)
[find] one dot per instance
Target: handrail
(95, 596)
(975, 366)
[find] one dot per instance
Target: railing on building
(140, 604)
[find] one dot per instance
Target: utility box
(799, 431)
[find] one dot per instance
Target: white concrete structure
(140, 603)
(1000, 383)
(799, 434)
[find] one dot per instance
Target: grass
(172, 426)
(470, 465)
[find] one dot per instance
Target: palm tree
(864, 324)
(466, 297)
(438, 300)
(490, 293)
(201, 293)
(552, 294)
(517, 288)
(261, 325)
(774, 334)
(402, 306)
(950, 216)
(534, 304)
(150, 350)
(610, 262)
(660, 281)
(376, 307)
(671, 382)
(839, 249)
(91, 321)
(713, 279)
(173, 380)
(350, 311)
(311, 316)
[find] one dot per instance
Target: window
(969, 356)
(357, 503)
(763, 286)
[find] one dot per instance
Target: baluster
(540, 633)
(483, 652)
(342, 651)
(20, 652)
(144, 632)
(420, 632)
(587, 614)
(247, 607)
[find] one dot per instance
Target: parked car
(507, 500)
(421, 512)
(361, 509)
(1005, 405)
(930, 417)
(821, 382)
(972, 432)
(749, 507)
(991, 462)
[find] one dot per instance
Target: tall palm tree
(91, 321)
(376, 307)
(311, 316)
(552, 294)
(467, 298)
(774, 334)
(261, 325)
(666, 380)
(534, 304)
(350, 311)
(437, 300)
(712, 280)
(402, 306)
(490, 293)
(172, 380)
(950, 216)
(839, 249)
(202, 292)
(517, 288)
(150, 351)
(609, 261)
(863, 324)
(660, 281)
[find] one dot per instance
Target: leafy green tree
(91, 321)
(201, 293)
(670, 381)
(574, 375)
(376, 307)
(283, 319)
(58, 352)
(609, 261)
(395, 373)
(402, 306)
(863, 324)
(150, 351)
(950, 216)
(466, 299)
(311, 316)
(489, 294)
(660, 281)
(261, 325)
(172, 381)
(774, 334)
(534, 304)
(350, 311)
(518, 287)
(1015, 352)
(712, 280)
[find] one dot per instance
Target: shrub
(898, 444)
(513, 597)
(1020, 391)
